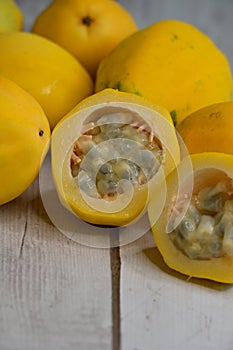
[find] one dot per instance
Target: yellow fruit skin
(11, 17)
(89, 29)
(217, 269)
(24, 139)
(47, 71)
(66, 133)
(209, 129)
(172, 64)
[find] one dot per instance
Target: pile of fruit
(124, 110)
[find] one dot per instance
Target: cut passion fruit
(108, 152)
(200, 244)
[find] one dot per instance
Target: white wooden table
(56, 294)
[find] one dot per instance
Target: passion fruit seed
(138, 164)
(206, 231)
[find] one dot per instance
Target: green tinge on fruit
(172, 64)
(11, 16)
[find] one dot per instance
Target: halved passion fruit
(199, 241)
(108, 152)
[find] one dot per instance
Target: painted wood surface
(162, 309)
(54, 293)
(58, 294)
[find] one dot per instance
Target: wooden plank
(162, 309)
(54, 293)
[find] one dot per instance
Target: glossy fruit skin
(68, 130)
(11, 17)
(24, 139)
(172, 64)
(89, 29)
(218, 269)
(44, 69)
(209, 129)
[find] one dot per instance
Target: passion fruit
(24, 139)
(172, 64)
(209, 129)
(194, 234)
(47, 71)
(108, 152)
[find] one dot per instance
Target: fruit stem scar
(87, 20)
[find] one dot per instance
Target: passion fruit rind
(115, 145)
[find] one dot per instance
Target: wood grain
(54, 293)
(162, 309)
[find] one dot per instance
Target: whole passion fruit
(24, 139)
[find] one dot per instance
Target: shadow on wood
(156, 258)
